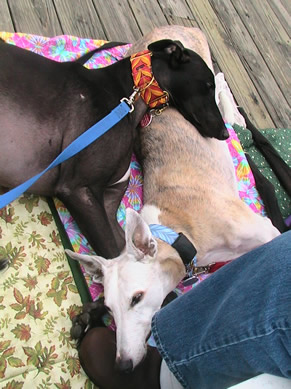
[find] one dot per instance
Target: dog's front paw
(90, 317)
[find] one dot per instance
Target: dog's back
(190, 180)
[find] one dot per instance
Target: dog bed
(38, 298)
(38, 295)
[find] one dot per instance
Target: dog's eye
(136, 298)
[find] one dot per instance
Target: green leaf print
(7, 214)
(29, 201)
(73, 366)
(42, 264)
(14, 385)
(15, 362)
(41, 357)
(15, 254)
(36, 240)
(45, 218)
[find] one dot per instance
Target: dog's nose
(124, 365)
(224, 134)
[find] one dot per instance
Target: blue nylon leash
(75, 147)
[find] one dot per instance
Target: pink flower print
(133, 192)
(21, 40)
(37, 43)
(243, 169)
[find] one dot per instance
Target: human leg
(234, 325)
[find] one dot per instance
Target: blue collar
(164, 233)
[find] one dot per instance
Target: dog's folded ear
(139, 240)
(93, 264)
(178, 54)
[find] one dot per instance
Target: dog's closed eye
(136, 298)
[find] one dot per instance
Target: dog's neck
(178, 241)
(171, 264)
(166, 254)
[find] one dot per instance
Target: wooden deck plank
(118, 20)
(5, 18)
(282, 8)
(79, 18)
(37, 17)
(177, 12)
(228, 60)
(148, 14)
(271, 39)
(253, 62)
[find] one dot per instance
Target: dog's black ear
(178, 54)
(161, 45)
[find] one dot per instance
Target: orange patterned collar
(145, 82)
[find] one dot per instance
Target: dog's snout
(124, 365)
(224, 134)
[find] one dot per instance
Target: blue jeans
(234, 325)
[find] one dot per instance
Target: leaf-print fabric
(38, 298)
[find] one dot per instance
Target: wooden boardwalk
(249, 40)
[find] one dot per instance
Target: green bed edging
(75, 267)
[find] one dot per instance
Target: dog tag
(146, 120)
(190, 281)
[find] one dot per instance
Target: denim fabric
(234, 325)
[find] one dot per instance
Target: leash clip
(159, 111)
(131, 99)
(197, 270)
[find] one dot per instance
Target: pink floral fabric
(65, 48)
(245, 179)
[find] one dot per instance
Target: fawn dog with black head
(189, 186)
(45, 105)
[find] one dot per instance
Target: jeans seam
(171, 366)
(189, 359)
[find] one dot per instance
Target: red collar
(217, 265)
(145, 82)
